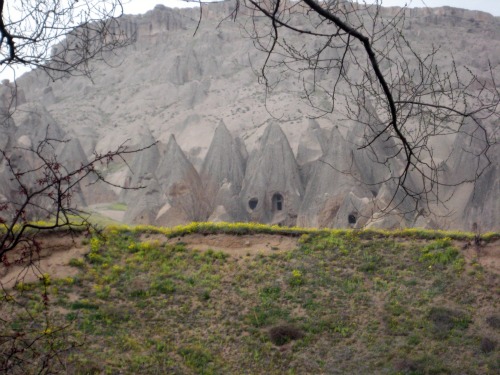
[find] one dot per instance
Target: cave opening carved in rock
(252, 203)
(277, 202)
(352, 219)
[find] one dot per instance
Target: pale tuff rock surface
(472, 203)
(34, 121)
(172, 193)
(182, 191)
(376, 163)
(354, 212)
(313, 143)
(483, 205)
(11, 96)
(220, 215)
(224, 164)
(272, 189)
(74, 157)
(467, 159)
(144, 162)
(222, 176)
(393, 209)
(332, 177)
(227, 204)
(144, 204)
(7, 129)
(226, 158)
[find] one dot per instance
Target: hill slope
(251, 299)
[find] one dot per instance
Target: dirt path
(57, 251)
(238, 245)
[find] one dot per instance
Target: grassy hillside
(146, 301)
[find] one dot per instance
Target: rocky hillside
(222, 152)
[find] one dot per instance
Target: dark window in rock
(277, 202)
(252, 203)
(352, 219)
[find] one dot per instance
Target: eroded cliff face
(222, 176)
(183, 195)
(272, 189)
(227, 162)
(333, 177)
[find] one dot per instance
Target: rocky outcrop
(482, 211)
(28, 132)
(182, 190)
(71, 155)
(169, 192)
(143, 194)
(11, 96)
(378, 164)
(467, 158)
(323, 179)
(313, 143)
(333, 176)
(272, 189)
(393, 208)
(35, 122)
(375, 158)
(223, 162)
(144, 204)
(7, 129)
(222, 173)
(220, 214)
(144, 162)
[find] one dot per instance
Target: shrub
(163, 286)
(283, 334)
(297, 278)
(445, 320)
(493, 321)
(74, 262)
(488, 345)
(439, 252)
(408, 365)
(197, 358)
(95, 244)
(204, 295)
(421, 365)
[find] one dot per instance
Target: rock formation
(482, 211)
(222, 175)
(71, 155)
(181, 187)
(143, 205)
(375, 161)
(313, 143)
(333, 176)
(203, 90)
(143, 162)
(272, 189)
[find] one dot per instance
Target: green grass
(117, 207)
(257, 228)
(343, 301)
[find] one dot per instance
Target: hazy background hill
(169, 81)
